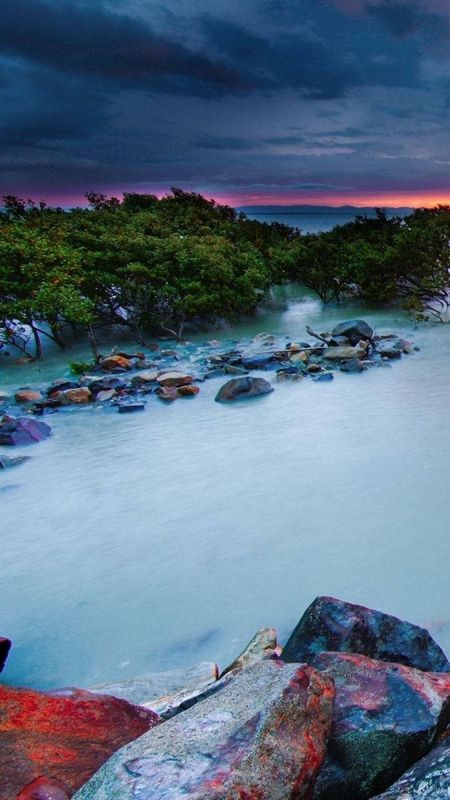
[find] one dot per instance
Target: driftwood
(318, 336)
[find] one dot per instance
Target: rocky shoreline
(355, 705)
(124, 382)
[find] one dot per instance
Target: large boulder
(354, 330)
(261, 737)
(22, 430)
(429, 779)
(331, 624)
(386, 717)
(258, 360)
(242, 388)
(174, 379)
(75, 397)
(5, 647)
(67, 736)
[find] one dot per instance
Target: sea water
(141, 542)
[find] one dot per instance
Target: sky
(247, 101)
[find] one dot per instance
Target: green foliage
(80, 367)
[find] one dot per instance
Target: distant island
(313, 209)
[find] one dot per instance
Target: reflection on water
(143, 542)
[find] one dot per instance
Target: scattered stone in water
(324, 378)
(314, 368)
(188, 391)
(354, 330)
(130, 408)
(389, 350)
(115, 364)
(105, 395)
(352, 365)
(27, 396)
(174, 379)
(345, 353)
(260, 361)
(6, 462)
(75, 397)
(147, 376)
(242, 388)
(167, 393)
(299, 358)
(60, 386)
(231, 369)
(22, 430)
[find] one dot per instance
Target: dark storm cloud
(89, 41)
(259, 96)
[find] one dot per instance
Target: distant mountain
(312, 209)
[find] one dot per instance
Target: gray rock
(354, 330)
(344, 353)
(262, 737)
(242, 388)
(6, 462)
(353, 365)
(230, 369)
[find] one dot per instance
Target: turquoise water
(149, 541)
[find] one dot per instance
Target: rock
(259, 361)
(298, 358)
(230, 369)
(389, 350)
(22, 430)
(147, 376)
(155, 687)
(105, 395)
(241, 388)
(354, 330)
(176, 379)
(385, 717)
(353, 365)
(214, 373)
(130, 408)
(261, 737)
(27, 396)
(5, 647)
(68, 736)
(60, 386)
(167, 393)
(314, 368)
(344, 353)
(429, 779)
(263, 644)
(106, 384)
(188, 391)
(294, 347)
(339, 341)
(44, 789)
(289, 375)
(324, 378)
(7, 463)
(331, 624)
(115, 364)
(75, 397)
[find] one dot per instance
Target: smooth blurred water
(143, 542)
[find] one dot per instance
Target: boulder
(352, 365)
(68, 735)
(75, 397)
(22, 430)
(263, 644)
(5, 647)
(354, 330)
(242, 388)
(261, 737)
(331, 624)
(174, 379)
(386, 716)
(231, 369)
(156, 687)
(298, 358)
(61, 386)
(44, 789)
(429, 779)
(258, 361)
(314, 368)
(27, 396)
(391, 350)
(324, 378)
(97, 385)
(115, 364)
(188, 391)
(344, 353)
